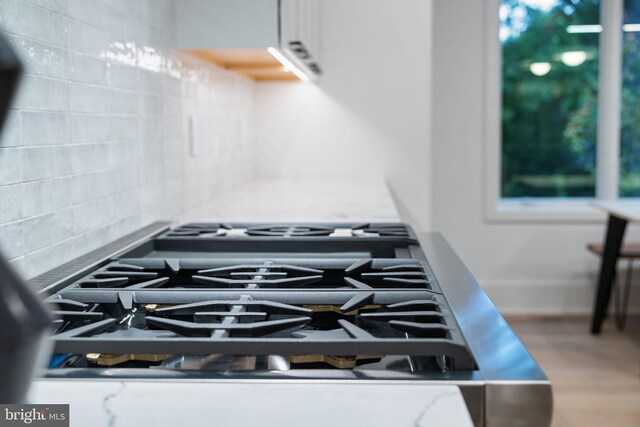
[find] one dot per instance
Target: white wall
(530, 267)
(370, 113)
(97, 142)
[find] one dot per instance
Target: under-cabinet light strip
(288, 64)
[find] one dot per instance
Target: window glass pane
(630, 117)
(549, 97)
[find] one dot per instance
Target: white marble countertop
(301, 201)
(255, 403)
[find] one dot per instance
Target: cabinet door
(300, 30)
(289, 21)
(312, 37)
(226, 24)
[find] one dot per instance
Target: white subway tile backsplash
(125, 225)
(91, 215)
(96, 145)
(44, 128)
(173, 108)
(34, 263)
(90, 186)
(176, 127)
(87, 69)
(122, 103)
(123, 154)
(91, 13)
(89, 99)
(150, 83)
(101, 128)
(175, 149)
(87, 127)
(151, 196)
(10, 203)
(18, 265)
(45, 162)
(122, 129)
(125, 205)
(48, 229)
(9, 16)
(46, 196)
(102, 100)
(10, 165)
(122, 77)
(58, 6)
(176, 188)
(124, 178)
(153, 174)
(41, 59)
(12, 239)
(89, 157)
(150, 105)
(86, 242)
(10, 136)
(39, 93)
(150, 129)
(86, 39)
(41, 24)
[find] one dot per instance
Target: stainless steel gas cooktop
(297, 301)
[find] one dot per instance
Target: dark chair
(630, 252)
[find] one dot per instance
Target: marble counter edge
(356, 403)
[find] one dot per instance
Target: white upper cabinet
(245, 29)
(299, 31)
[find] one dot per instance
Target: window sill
(544, 210)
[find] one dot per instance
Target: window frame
(534, 209)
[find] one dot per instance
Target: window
(630, 107)
(563, 106)
(549, 97)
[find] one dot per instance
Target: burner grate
(138, 322)
(218, 230)
(364, 275)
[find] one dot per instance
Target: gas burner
(289, 231)
(119, 359)
(340, 362)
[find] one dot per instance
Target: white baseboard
(548, 297)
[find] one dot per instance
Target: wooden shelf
(256, 64)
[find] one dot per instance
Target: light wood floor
(595, 379)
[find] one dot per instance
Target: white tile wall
(97, 143)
